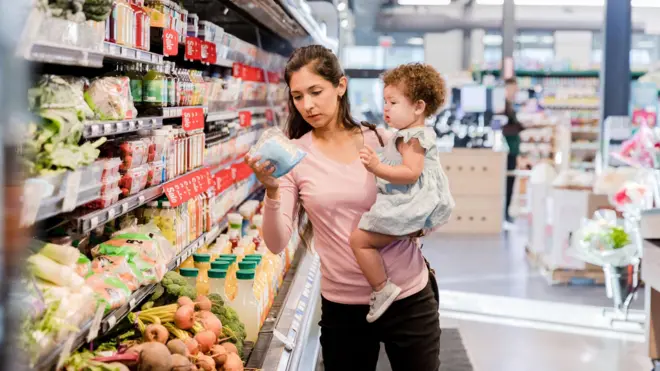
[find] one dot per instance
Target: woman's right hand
(264, 172)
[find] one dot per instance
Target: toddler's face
(399, 111)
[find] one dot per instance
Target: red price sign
(192, 119)
(188, 186)
(208, 52)
(193, 49)
(213, 53)
(245, 119)
(170, 42)
(269, 114)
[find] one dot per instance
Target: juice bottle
(188, 263)
(217, 283)
(134, 73)
(153, 89)
(190, 275)
(203, 264)
(246, 304)
(171, 84)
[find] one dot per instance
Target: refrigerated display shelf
(221, 116)
(173, 112)
(110, 320)
(120, 52)
(46, 52)
(103, 128)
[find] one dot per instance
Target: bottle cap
(254, 257)
(245, 274)
(247, 264)
(221, 264)
(217, 273)
(188, 272)
(228, 257)
(202, 258)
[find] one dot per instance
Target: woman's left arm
(407, 173)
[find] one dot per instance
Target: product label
(136, 91)
(171, 92)
(153, 91)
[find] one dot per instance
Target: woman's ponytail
(372, 127)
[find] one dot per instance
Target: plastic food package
(134, 180)
(110, 98)
(119, 267)
(156, 174)
(110, 167)
(83, 266)
(110, 184)
(110, 197)
(132, 153)
(109, 290)
(275, 147)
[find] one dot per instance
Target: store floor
(510, 319)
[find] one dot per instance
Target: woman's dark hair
(324, 63)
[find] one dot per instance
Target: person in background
(511, 132)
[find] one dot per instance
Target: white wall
(444, 51)
(575, 47)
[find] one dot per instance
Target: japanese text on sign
(170, 42)
(192, 119)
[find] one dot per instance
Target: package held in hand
(275, 147)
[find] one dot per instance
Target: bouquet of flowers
(602, 241)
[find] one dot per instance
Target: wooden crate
(575, 277)
(475, 215)
(475, 172)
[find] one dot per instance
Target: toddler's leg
(365, 246)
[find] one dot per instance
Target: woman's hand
(264, 172)
(369, 158)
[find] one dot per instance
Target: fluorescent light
(344, 23)
(424, 2)
(415, 41)
(635, 3)
(341, 6)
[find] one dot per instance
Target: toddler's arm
(406, 173)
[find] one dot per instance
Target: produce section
(145, 223)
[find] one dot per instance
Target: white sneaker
(381, 300)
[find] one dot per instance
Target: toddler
(413, 192)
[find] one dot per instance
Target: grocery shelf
(111, 319)
(124, 53)
(46, 52)
(223, 62)
(172, 112)
(221, 116)
(104, 128)
(283, 336)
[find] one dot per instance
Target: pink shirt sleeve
(279, 215)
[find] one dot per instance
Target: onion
(184, 318)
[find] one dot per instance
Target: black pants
(410, 330)
(510, 180)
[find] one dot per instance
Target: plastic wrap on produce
(88, 35)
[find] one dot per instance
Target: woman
(333, 189)
(511, 132)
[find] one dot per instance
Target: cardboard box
(539, 218)
(475, 172)
(475, 215)
(568, 209)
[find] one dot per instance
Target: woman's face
(316, 98)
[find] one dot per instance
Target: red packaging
(110, 197)
(110, 168)
(132, 153)
(156, 173)
(110, 184)
(134, 180)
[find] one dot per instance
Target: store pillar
(508, 38)
(467, 36)
(615, 71)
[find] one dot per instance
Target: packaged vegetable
(83, 266)
(275, 147)
(156, 174)
(65, 255)
(133, 153)
(109, 290)
(110, 184)
(134, 180)
(48, 270)
(110, 98)
(119, 267)
(110, 197)
(110, 167)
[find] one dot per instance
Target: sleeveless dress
(401, 210)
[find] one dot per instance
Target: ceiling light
(415, 41)
(344, 23)
(341, 6)
(424, 2)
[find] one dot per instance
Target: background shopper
(511, 132)
(326, 194)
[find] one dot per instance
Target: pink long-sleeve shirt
(335, 196)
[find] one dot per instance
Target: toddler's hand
(369, 158)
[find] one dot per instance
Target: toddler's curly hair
(419, 81)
